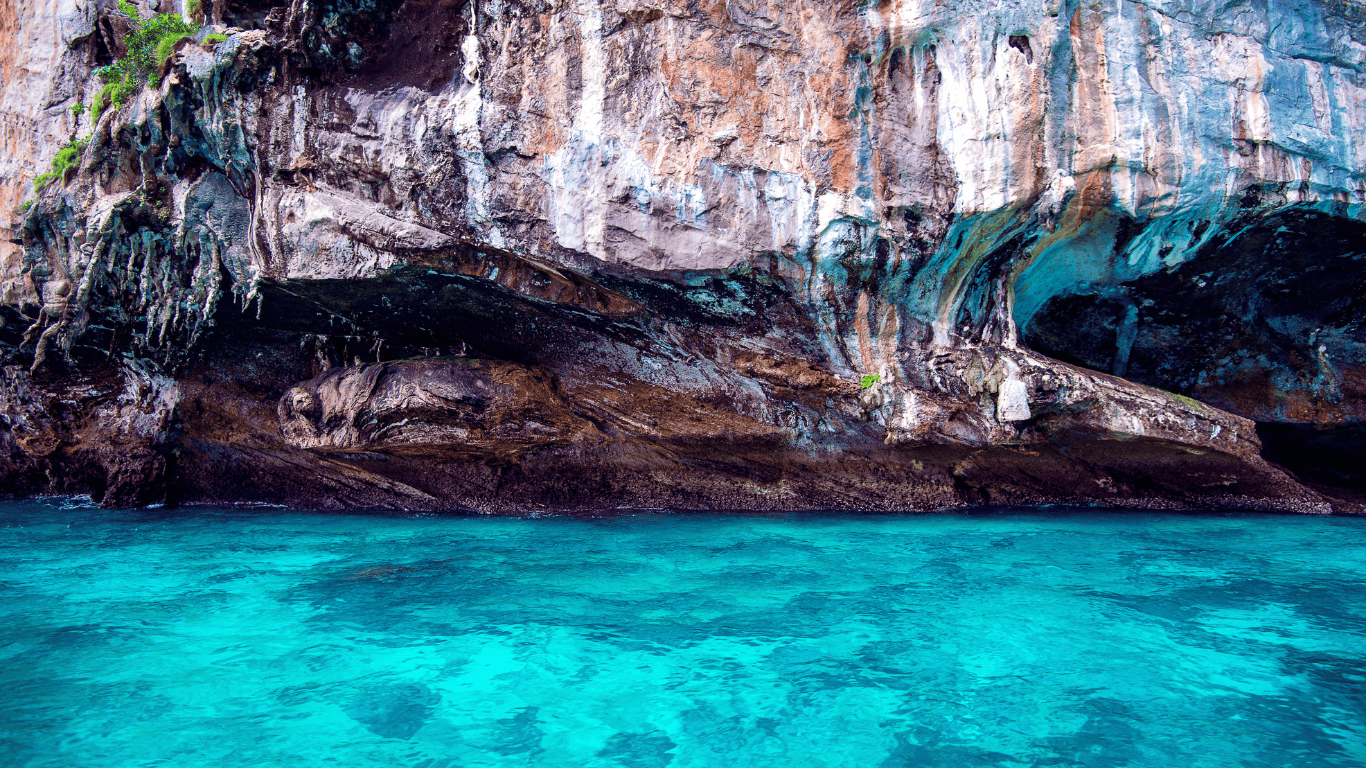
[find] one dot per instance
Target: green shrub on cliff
(107, 93)
(149, 44)
(68, 158)
(166, 46)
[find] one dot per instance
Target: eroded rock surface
(477, 408)
(750, 254)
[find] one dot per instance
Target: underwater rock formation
(566, 254)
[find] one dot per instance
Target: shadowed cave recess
(559, 255)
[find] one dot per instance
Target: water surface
(273, 638)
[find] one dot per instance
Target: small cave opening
(1021, 44)
(1325, 456)
(894, 64)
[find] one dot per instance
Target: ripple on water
(1095, 638)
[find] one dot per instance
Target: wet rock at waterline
(584, 253)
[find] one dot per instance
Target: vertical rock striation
(496, 254)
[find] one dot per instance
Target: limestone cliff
(512, 254)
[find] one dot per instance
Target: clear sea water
(1012, 638)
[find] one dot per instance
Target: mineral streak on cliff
(496, 254)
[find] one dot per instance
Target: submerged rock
(595, 253)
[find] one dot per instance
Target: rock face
(520, 254)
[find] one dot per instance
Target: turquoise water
(269, 638)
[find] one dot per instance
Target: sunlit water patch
(269, 638)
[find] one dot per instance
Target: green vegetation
(869, 380)
(1194, 405)
(97, 106)
(195, 10)
(215, 38)
(166, 46)
(68, 158)
(150, 44)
